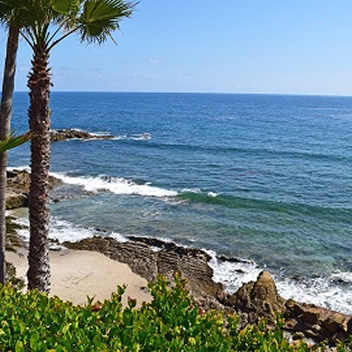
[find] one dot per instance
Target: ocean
(266, 179)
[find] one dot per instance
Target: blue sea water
(265, 178)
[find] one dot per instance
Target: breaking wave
(116, 185)
(332, 292)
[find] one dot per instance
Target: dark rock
(171, 246)
(324, 334)
(259, 299)
(227, 299)
(294, 308)
(299, 335)
(290, 324)
(225, 258)
(240, 271)
(316, 328)
(242, 297)
(324, 323)
(311, 316)
(334, 322)
(296, 278)
(66, 134)
(17, 190)
(349, 326)
(310, 333)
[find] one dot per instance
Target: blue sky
(233, 46)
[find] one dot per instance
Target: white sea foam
(319, 291)
(134, 137)
(212, 194)
(191, 190)
(323, 292)
(98, 133)
(233, 274)
(62, 231)
(343, 276)
(199, 191)
(114, 185)
(20, 168)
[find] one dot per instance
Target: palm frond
(14, 141)
(101, 17)
(66, 7)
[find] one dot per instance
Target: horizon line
(192, 92)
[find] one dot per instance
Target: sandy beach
(77, 274)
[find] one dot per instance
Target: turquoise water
(260, 177)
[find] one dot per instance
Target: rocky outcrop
(18, 183)
(316, 322)
(70, 133)
(152, 257)
(16, 200)
(260, 299)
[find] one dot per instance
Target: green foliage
(100, 18)
(13, 141)
(171, 322)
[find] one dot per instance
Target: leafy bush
(35, 322)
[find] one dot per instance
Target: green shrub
(171, 322)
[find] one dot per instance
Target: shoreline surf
(231, 272)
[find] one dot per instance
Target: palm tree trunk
(8, 86)
(39, 124)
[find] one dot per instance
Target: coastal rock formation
(18, 182)
(316, 322)
(70, 133)
(151, 257)
(259, 299)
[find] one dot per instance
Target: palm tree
(94, 21)
(11, 15)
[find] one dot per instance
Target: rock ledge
(71, 133)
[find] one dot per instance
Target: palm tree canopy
(20, 12)
(99, 18)
(50, 21)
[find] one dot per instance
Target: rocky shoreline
(71, 133)
(150, 257)
(17, 190)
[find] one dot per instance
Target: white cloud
(154, 61)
